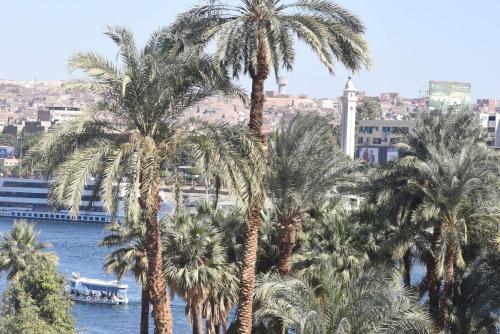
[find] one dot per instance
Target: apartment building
(376, 139)
(490, 122)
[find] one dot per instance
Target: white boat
(28, 199)
(96, 291)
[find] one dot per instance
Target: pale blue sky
(411, 42)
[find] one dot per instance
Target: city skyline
(407, 50)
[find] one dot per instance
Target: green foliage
(331, 239)
(139, 127)
(21, 142)
(128, 253)
(333, 33)
(304, 165)
(372, 304)
(368, 109)
(196, 266)
(36, 301)
(476, 293)
(438, 205)
(20, 247)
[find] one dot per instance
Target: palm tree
(304, 165)
(476, 292)
(137, 129)
(407, 237)
(20, 247)
(129, 256)
(460, 197)
(330, 240)
(372, 304)
(196, 267)
(255, 36)
(399, 191)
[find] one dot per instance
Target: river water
(76, 246)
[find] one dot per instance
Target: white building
(348, 120)
(490, 121)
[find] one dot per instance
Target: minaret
(348, 122)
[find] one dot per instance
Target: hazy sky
(411, 42)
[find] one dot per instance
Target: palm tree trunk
(197, 319)
(247, 275)
(249, 258)
(407, 269)
(144, 311)
(433, 281)
(154, 249)
(287, 237)
(448, 281)
(217, 186)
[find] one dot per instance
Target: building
(376, 139)
(348, 121)
(486, 105)
(446, 94)
(490, 122)
(55, 114)
(303, 102)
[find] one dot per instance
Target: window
(377, 141)
(360, 140)
(491, 130)
(367, 140)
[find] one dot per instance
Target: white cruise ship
(28, 199)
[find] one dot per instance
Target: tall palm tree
(460, 197)
(251, 38)
(137, 129)
(20, 247)
(196, 267)
(129, 256)
(372, 304)
(304, 165)
(398, 191)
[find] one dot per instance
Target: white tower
(282, 82)
(348, 122)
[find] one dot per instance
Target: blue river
(76, 246)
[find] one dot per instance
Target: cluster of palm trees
(439, 207)
(325, 267)
(139, 127)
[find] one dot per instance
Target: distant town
(31, 107)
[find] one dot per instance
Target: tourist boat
(96, 291)
(28, 199)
